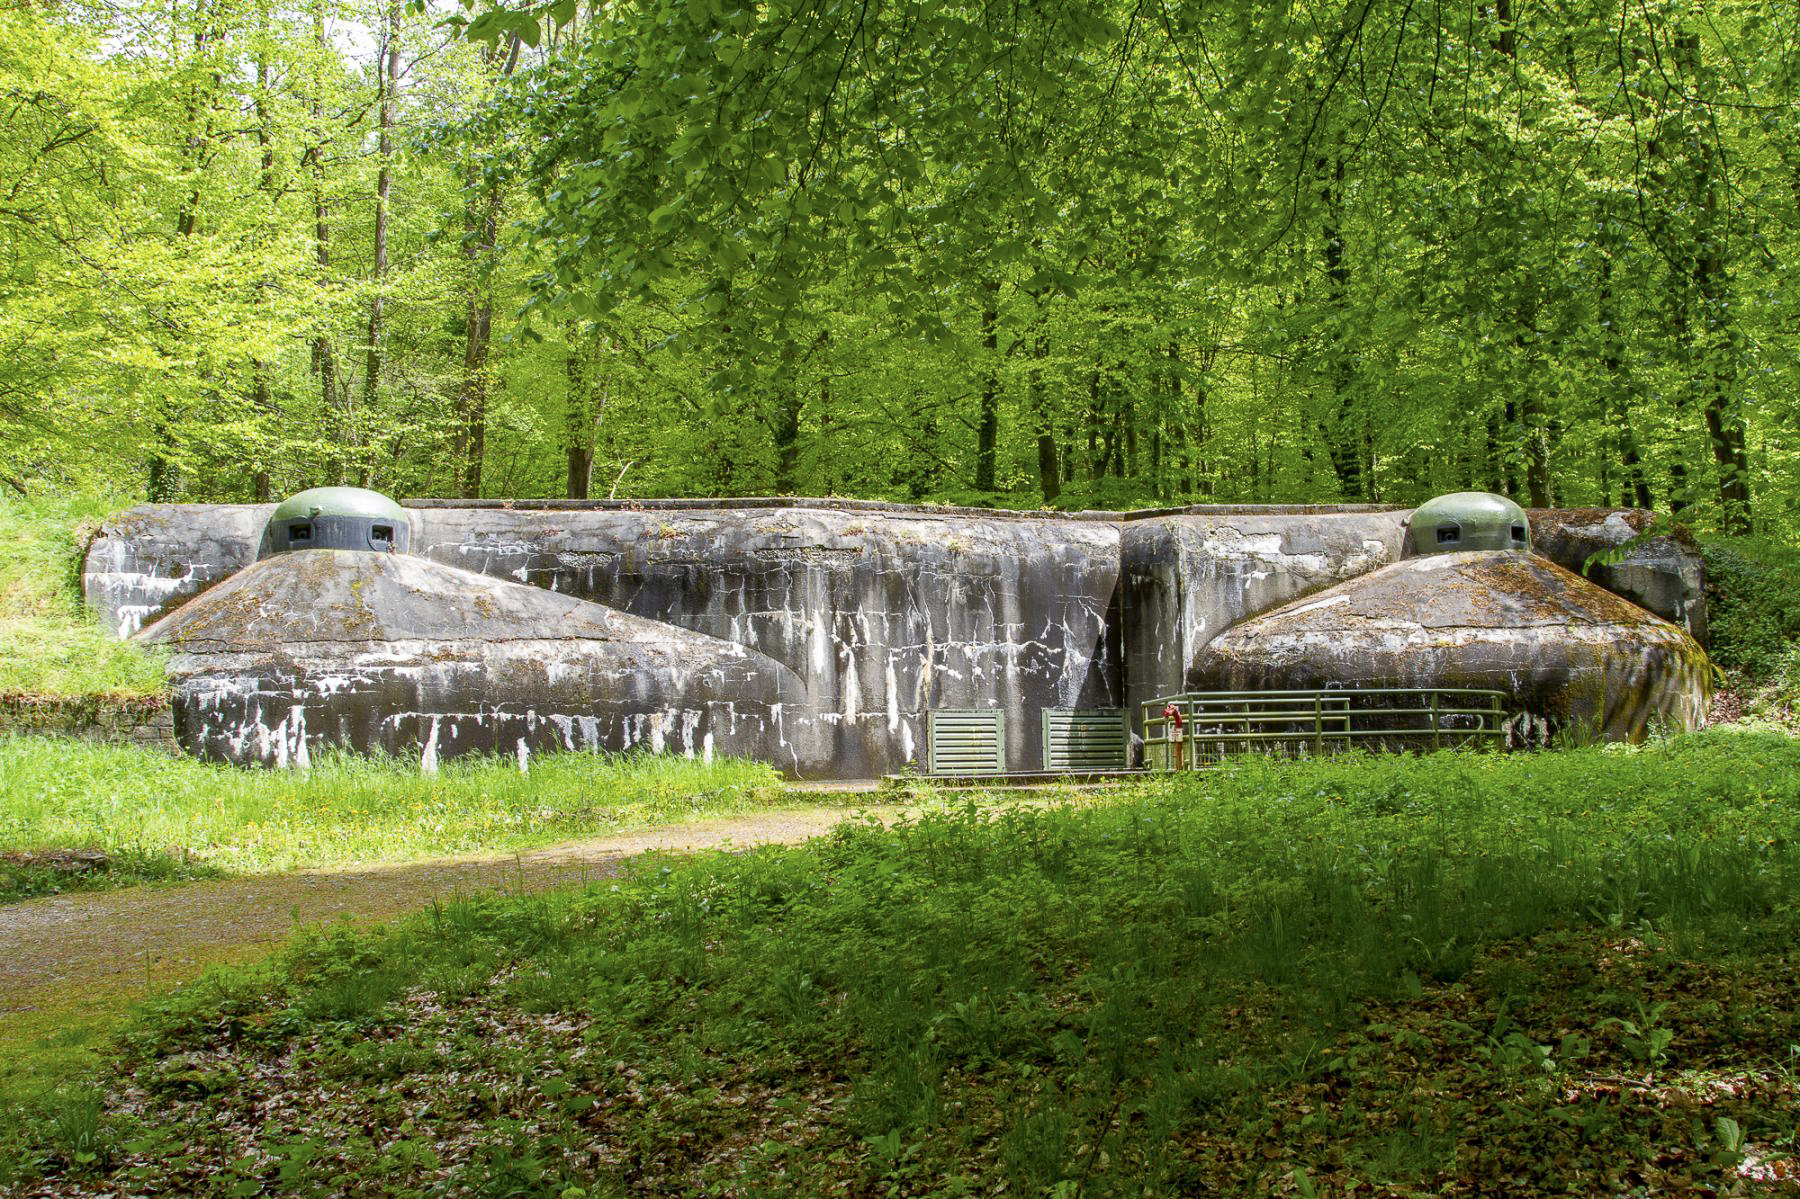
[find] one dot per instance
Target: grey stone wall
(147, 722)
(1190, 577)
(154, 558)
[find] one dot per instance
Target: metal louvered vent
(966, 741)
(1079, 740)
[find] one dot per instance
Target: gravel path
(68, 958)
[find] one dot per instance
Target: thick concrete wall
(1189, 578)
(151, 560)
(884, 615)
(888, 612)
(1664, 574)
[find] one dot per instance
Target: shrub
(1753, 604)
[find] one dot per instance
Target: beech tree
(1075, 254)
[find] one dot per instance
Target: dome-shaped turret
(337, 518)
(1560, 647)
(404, 655)
(1466, 520)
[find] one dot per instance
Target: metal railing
(1221, 724)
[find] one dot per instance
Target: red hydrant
(1172, 714)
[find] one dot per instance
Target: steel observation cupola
(337, 518)
(1464, 521)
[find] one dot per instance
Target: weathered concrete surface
(1664, 574)
(156, 557)
(885, 612)
(1562, 648)
(885, 615)
(132, 720)
(394, 653)
(1190, 578)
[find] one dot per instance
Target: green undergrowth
(163, 816)
(1753, 614)
(53, 647)
(27, 874)
(1532, 974)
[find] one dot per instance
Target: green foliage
(1398, 971)
(1071, 255)
(27, 875)
(53, 647)
(156, 809)
(1752, 604)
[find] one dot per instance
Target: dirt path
(67, 959)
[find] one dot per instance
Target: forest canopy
(1084, 253)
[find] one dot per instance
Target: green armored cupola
(338, 518)
(1467, 520)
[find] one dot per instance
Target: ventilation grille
(966, 741)
(1078, 740)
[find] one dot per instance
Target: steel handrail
(1223, 722)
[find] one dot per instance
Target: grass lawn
(165, 817)
(54, 647)
(1535, 974)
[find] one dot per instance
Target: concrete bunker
(828, 632)
(375, 650)
(1472, 607)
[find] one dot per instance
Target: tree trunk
(1344, 437)
(987, 435)
(261, 401)
(785, 425)
(1049, 469)
(481, 221)
(829, 461)
(577, 426)
(323, 364)
(388, 86)
(1716, 372)
(1534, 420)
(1618, 402)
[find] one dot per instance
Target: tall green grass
(1103, 1000)
(57, 793)
(53, 646)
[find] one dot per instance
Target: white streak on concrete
(428, 761)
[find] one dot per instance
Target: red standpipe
(1172, 714)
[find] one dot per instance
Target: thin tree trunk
(1096, 463)
(1049, 469)
(786, 407)
(1344, 437)
(829, 461)
(1499, 468)
(261, 401)
(578, 448)
(987, 435)
(1618, 378)
(1534, 431)
(388, 83)
(1716, 372)
(323, 364)
(163, 475)
(481, 217)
